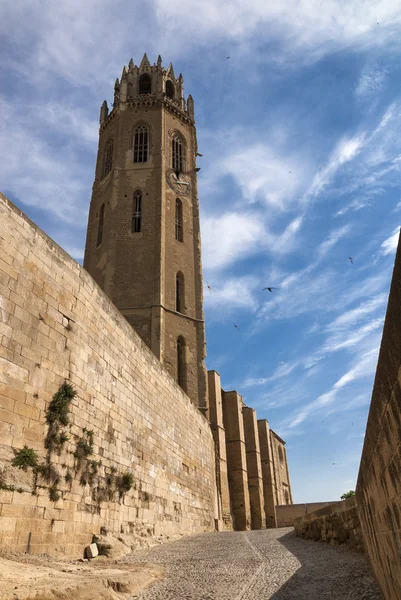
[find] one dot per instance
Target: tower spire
(145, 64)
(170, 71)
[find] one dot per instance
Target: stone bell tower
(143, 238)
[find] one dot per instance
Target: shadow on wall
(326, 572)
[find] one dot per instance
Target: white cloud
(311, 24)
(350, 317)
(345, 151)
(389, 246)
(334, 237)
(338, 341)
(354, 206)
(264, 174)
(283, 370)
(371, 81)
(52, 179)
(231, 293)
(231, 237)
(363, 366)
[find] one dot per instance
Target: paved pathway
(257, 565)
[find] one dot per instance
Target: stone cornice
(147, 101)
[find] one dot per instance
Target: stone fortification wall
(129, 416)
(334, 524)
(378, 489)
(287, 513)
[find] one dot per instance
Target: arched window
(181, 362)
(177, 153)
(108, 158)
(136, 212)
(100, 226)
(178, 220)
(141, 142)
(170, 91)
(145, 84)
(179, 293)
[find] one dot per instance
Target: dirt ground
(24, 577)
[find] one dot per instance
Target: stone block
(91, 551)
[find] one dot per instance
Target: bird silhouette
(227, 57)
(209, 288)
(351, 260)
(198, 154)
(236, 326)
(197, 169)
(270, 289)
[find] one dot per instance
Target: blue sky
(300, 131)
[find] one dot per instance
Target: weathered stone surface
(236, 460)
(112, 547)
(138, 269)
(336, 523)
(219, 435)
(91, 551)
(287, 513)
(378, 488)
(254, 468)
(59, 325)
(281, 476)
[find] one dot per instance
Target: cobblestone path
(257, 565)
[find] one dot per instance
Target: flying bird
(209, 288)
(236, 326)
(351, 260)
(197, 169)
(227, 57)
(197, 154)
(270, 289)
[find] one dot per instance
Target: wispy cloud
(371, 81)
(299, 24)
(362, 367)
(389, 246)
(46, 181)
(345, 151)
(232, 294)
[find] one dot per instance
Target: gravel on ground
(258, 565)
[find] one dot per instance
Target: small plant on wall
(25, 459)
(57, 419)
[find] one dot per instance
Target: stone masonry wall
(378, 489)
(287, 513)
(56, 325)
(335, 524)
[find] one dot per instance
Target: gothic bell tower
(143, 238)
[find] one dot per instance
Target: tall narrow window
(100, 226)
(145, 84)
(177, 154)
(170, 89)
(179, 293)
(137, 212)
(181, 362)
(141, 141)
(108, 158)
(178, 220)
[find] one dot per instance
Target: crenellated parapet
(147, 84)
